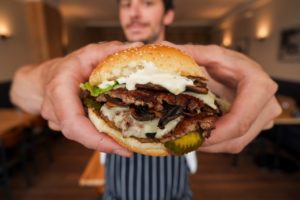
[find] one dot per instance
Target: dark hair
(169, 5)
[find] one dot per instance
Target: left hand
(242, 81)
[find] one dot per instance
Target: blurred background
(37, 163)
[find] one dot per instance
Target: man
(54, 92)
(146, 177)
(145, 21)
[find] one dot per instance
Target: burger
(152, 100)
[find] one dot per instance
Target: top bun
(126, 62)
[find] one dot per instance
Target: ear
(169, 17)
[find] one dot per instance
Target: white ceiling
(188, 12)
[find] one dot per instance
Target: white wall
(277, 15)
(16, 50)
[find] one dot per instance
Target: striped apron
(146, 178)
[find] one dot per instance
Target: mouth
(136, 26)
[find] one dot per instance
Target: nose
(135, 10)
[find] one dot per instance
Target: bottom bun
(150, 149)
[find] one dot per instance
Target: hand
(58, 95)
(242, 81)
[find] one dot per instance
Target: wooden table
(93, 174)
(289, 107)
(287, 121)
(12, 118)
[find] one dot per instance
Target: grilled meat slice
(197, 89)
(187, 102)
(134, 97)
(199, 81)
(150, 86)
(201, 122)
(155, 100)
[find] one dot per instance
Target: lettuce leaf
(95, 90)
(90, 103)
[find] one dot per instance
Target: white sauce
(106, 84)
(131, 127)
(150, 74)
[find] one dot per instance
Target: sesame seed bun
(126, 62)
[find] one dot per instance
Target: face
(144, 20)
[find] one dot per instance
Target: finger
(236, 145)
(267, 115)
(225, 66)
(75, 125)
(54, 126)
(89, 56)
(167, 43)
(48, 113)
(238, 120)
(80, 129)
(47, 110)
(253, 88)
(269, 125)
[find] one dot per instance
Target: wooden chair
(37, 135)
(12, 153)
(93, 174)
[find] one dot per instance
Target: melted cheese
(131, 127)
(208, 99)
(174, 83)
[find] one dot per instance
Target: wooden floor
(215, 179)
(218, 179)
(58, 180)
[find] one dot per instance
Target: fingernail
(101, 42)
(122, 152)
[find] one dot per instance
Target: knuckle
(271, 86)
(52, 87)
(236, 148)
(266, 84)
(53, 126)
(269, 125)
(243, 126)
(44, 112)
(115, 42)
(216, 49)
(86, 49)
(90, 46)
(100, 142)
(277, 110)
(66, 129)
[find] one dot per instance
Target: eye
(148, 2)
(125, 3)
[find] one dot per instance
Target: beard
(151, 39)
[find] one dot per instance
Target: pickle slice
(185, 144)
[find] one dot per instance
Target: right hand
(59, 91)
